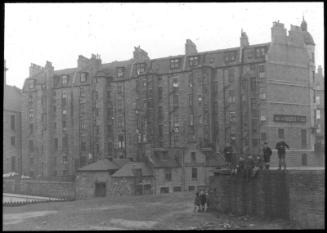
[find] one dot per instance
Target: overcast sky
(59, 32)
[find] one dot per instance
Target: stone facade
(12, 128)
(119, 109)
(320, 112)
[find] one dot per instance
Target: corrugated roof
(100, 165)
(128, 170)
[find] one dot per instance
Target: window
(120, 122)
(140, 68)
(119, 89)
(263, 137)
(160, 130)
(110, 146)
(64, 80)
(12, 140)
(13, 163)
(303, 137)
(191, 188)
(304, 160)
(159, 93)
(65, 142)
(318, 114)
(30, 146)
(231, 74)
(97, 129)
(96, 95)
(82, 107)
(193, 157)
(175, 99)
(193, 61)
(31, 114)
(175, 82)
(96, 111)
(190, 100)
(64, 124)
(160, 113)
(168, 174)
(56, 144)
(231, 98)
(82, 91)
(194, 173)
(177, 189)
(30, 99)
(83, 124)
(64, 98)
(200, 99)
(253, 84)
(12, 122)
(191, 119)
(262, 94)
(232, 116)
(120, 72)
(83, 78)
(164, 190)
(175, 63)
(318, 99)
(121, 140)
(31, 83)
(64, 112)
(260, 52)
(281, 133)
(230, 56)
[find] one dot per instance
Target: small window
(303, 137)
(13, 163)
(65, 142)
(191, 188)
(140, 68)
(191, 119)
(64, 80)
(160, 130)
(56, 144)
(13, 140)
(194, 173)
(304, 160)
(30, 99)
(83, 78)
(31, 84)
(177, 189)
(232, 116)
(318, 114)
(12, 122)
(193, 61)
(160, 93)
(190, 100)
(168, 174)
(64, 124)
(83, 124)
(175, 63)
(281, 133)
(164, 190)
(175, 82)
(120, 72)
(193, 157)
(175, 99)
(31, 128)
(30, 146)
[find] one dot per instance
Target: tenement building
(12, 134)
(172, 108)
(320, 111)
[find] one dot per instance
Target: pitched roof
(100, 165)
(158, 162)
(128, 170)
(121, 162)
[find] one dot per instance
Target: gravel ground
(169, 211)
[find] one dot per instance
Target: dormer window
(83, 77)
(31, 84)
(260, 52)
(140, 68)
(193, 61)
(175, 63)
(230, 56)
(120, 72)
(64, 80)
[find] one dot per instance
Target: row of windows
(168, 174)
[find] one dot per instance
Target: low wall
(294, 158)
(40, 188)
(294, 195)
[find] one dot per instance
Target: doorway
(100, 189)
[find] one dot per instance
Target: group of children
(201, 201)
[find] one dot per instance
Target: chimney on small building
(190, 47)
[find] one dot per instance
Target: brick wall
(40, 188)
(297, 196)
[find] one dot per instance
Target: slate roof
(104, 165)
(127, 170)
(157, 162)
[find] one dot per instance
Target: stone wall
(297, 196)
(40, 188)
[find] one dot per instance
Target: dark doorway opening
(100, 189)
